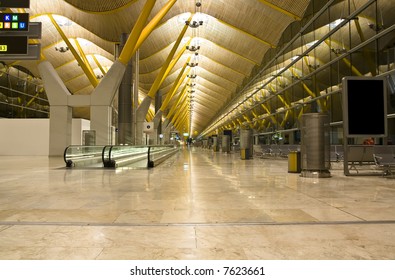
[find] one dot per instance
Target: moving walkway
(117, 156)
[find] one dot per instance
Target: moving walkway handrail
(123, 154)
(84, 155)
(115, 155)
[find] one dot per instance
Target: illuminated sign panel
(14, 3)
(14, 22)
(13, 45)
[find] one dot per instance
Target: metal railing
(113, 156)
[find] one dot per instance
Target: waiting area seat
(336, 153)
(274, 151)
(384, 158)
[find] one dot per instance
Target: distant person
(368, 141)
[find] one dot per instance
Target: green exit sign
(14, 3)
(13, 45)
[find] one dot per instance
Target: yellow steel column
(33, 98)
(175, 60)
(155, 86)
(250, 124)
(181, 77)
(98, 64)
(346, 61)
(181, 119)
(300, 113)
(269, 112)
(130, 46)
(180, 97)
(365, 50)
(283, 100)
(234, 124)
(153, 23)
(150, 115)
(285, 118)
(181, 114)
(173, 114)
(180, 111)
(84, 67)
(84, 58)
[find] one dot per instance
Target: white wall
(24, 137)
(30, 137)
(78, 125)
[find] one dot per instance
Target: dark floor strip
(86, 224)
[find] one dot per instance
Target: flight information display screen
(14, 3)
(13, 45)
(14, 22)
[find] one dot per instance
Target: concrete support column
(158, 118)
(135, 94)
(101, 100)
(125, 101)
(101, 123)
(166, 128)
(141, 114)
(59, 129)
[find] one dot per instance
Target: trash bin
(245, 153)
(294, 162)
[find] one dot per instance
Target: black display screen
(14, 3)
(365, 107)
(13, 45)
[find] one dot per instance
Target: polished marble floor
(197, 205)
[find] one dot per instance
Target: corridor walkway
(197, 205)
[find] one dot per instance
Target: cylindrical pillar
(215, 143)
(246, 142)
(158, 125)
(125, 102)
(225, 143)
(135, 94)
(315, 147)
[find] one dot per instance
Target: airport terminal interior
(197, 130)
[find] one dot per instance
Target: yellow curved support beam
(181, 106)
(269, 112)
(150, 115)
(346, 61)
(84, 58)
(287, 113)
(98, 64)
(90, 76)
(175, 60)
(130, 46)
(177, 83)
(283, 100)
(153, 23)
(165, 68)
(182, 113)
(180, 99)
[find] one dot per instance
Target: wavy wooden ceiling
(234, 38)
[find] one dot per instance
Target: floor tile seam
(196, 225)
(5, 228)
(328, 204)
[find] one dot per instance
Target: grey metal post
(125, 101)
(135, 95)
